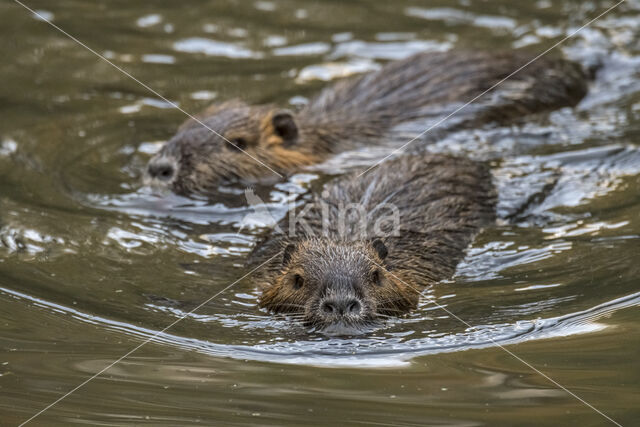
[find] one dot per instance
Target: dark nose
(341, 307)
(162, 171)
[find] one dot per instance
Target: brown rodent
(359, 111)
(360, 269)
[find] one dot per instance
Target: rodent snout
(161, 170)
(340, 307)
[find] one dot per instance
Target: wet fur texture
(442, 201)
(363, 110)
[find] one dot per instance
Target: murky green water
(91, 265)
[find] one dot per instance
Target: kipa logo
(347, 221)
(260, 217)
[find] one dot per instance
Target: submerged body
(339, 272)
(233, 141)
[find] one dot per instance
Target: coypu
(357, 111)
(341, 275)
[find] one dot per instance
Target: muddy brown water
(92, 265)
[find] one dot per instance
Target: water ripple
(362, 352)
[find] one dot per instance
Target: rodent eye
(298, 281)
(238, 144)
(376, 278)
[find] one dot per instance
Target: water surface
(92, 265)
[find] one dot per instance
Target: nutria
(358, 111)
(342, 273)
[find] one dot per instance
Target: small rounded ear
(285, 127)
(380, 248)
(288, 251)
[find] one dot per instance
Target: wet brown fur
(363, 110)
(442, 202)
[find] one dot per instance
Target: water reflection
(381, 350)
(84, 248)
(214, 48)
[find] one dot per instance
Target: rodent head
(338, 288)
(197, 160)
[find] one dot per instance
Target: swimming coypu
(358, 111)
(417, 216)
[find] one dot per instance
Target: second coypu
(340, 273)
(358, 111)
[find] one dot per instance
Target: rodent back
(441, 202)
(428, 84)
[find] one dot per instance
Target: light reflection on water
(82, 243)
(383, 350)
